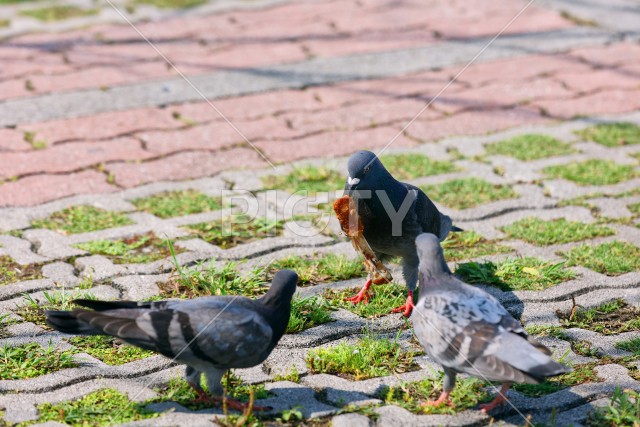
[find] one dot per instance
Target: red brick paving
(191, 140)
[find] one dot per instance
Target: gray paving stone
(351, 420)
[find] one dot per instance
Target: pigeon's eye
(367, 169)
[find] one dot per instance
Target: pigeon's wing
(428, 216)
(212, 331)
(468, 330)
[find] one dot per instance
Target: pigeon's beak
(352, 182)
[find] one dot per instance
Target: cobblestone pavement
(91, 115)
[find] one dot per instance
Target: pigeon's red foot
(444, 398)
(363, 295)
(240, 406)
(499, 400)
(203, 398)
(407, 308)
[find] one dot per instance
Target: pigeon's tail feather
(110, 305)
(65, 321)
(446, 226)
(456, 229)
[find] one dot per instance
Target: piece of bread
(351, 224)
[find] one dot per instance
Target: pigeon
(466, 330)
(209, 334)
(380, 198)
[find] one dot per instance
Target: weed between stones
(371, 356)
(609, 318)
(515, 274)
(530, 147)
(468, 393)
(58, 13)
(581, 374)
(467, 193)
(178, 203)
(411, 166)
(32, 360)
(33, 310)
(623, 410)
(612, 259)
(592, 172)
(385, 298)
(232, 231)
(11, 271)
(307, 313)
(469, 244)
(109, 349)
(540, 232)
(308, 179)
(82, 219)
(137, 249)
(320, 269)
(612, 134)
(632, 345)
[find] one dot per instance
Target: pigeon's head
(430, 254)
(365, 171)
(283, 286)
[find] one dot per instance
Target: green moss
(385, 298)
(467, 393)
(101, 408)
(172, 4)
(212, 280)
(612, 259)
(82, 219)
(622, 411)
(58, 13)
(632, 345)
(109, 349)
(369, 357)
(137, 249)
(609, 318)
(5, 23)
(232, 231)
(467, 192)
(469, 244)
(634, 208)
(312, 179)
(32, 360)
(178, 203)
(612, 134)
(11, 271)
(516, 274)
(291, 375)
(540, 232)
(410, 166)
(530, 147)
(320, 269)
(592, 172)
(307, 313)
(581, 374)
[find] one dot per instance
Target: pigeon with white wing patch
(466, 330)
(210, 334)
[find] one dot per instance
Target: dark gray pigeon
(210, 334)
(466, 330)
(377, 194)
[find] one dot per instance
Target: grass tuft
(466, 193)
(622, 411)
(410, 166)
(320, 269)
(11, 271)
(137, 249)
(592, 172)
(612, 134)
(309, 178)
(32, 360)
(82, 219)
(109, 349)
(467, 394)
(546, 330)
(224, 280)
(469, 244)
(515, 274)
(172, 4)
(177, 203)
(307, 313)
(540, 232)
(385, 298)
(530, 147)
(612, 259)
(237, 229)
(632, 345)
(609, 318)
(58, 13)
(100, 408)
(369, 357)
(33, 310)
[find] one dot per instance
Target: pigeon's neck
(279, 311)
(431, 273)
